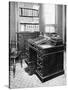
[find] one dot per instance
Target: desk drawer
(41, 63)
(39, 54)
(54, 49)
(43, 71)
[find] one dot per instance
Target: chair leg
(21, 60)
(14, 68)
(21, 63)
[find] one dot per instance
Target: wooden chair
(14, 55)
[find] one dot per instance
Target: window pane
(49, 29)
(49, 14)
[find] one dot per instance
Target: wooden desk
(48, 62)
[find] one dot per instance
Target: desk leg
(14, 68)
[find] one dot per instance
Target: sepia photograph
(37, 44)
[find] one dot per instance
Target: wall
(64, 23)
(42, 18)
(59, 19)
(12, 21)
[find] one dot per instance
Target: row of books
(28, 12)
(32, 27)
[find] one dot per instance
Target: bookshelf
(28, 24)
(30, 19)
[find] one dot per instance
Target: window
(49, 18)
(49, 29)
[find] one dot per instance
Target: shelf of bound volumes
(29, 27)
(28, 12)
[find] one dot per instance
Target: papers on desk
(41, 41)
(45, 46)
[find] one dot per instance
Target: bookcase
(28, 24)
(29, 19)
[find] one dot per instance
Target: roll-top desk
(46, 57)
